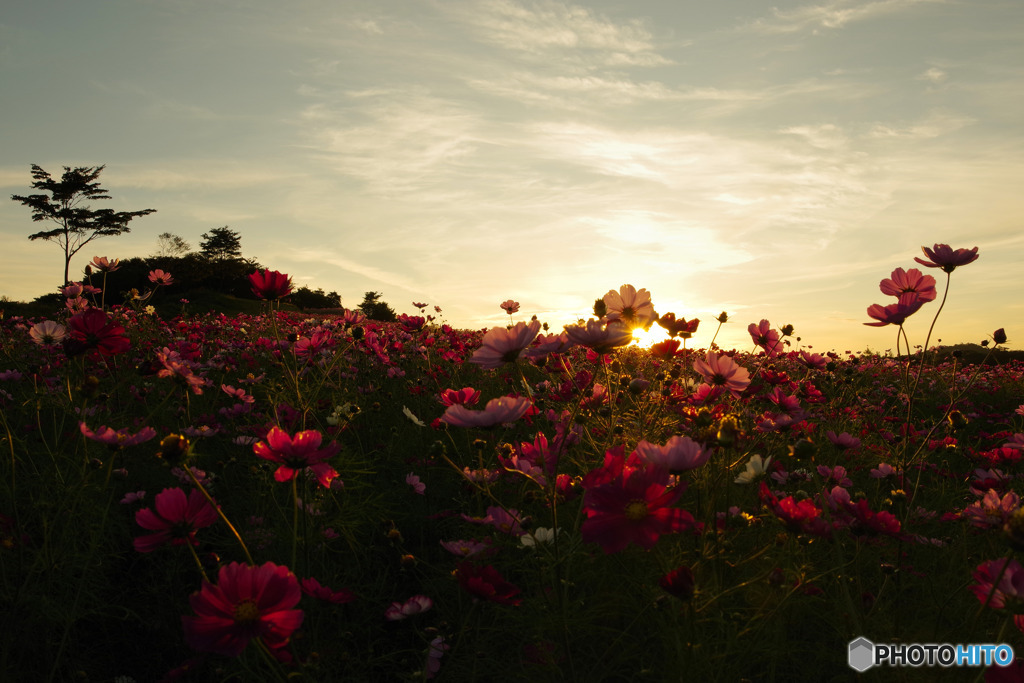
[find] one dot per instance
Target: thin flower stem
(220, 512)
(295, 518)
(199, 564)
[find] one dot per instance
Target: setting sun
(645, 339)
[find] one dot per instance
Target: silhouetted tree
(168, 244)
(375, 309)
(221, 243)
(77, 222)
(304, 298)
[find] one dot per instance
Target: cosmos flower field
(324, 497)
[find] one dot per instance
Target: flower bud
(174, 449)
(999, 336)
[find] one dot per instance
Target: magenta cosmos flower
(497, 411)
(502, 346)
(270, 284)
(1003, 579)
(897, 313)
(630, 306)
(487, 582)
(679, 454)
(724, 372)
(632, 506)
(120, 438)
(600, 336)
(92, 329)
(175, 520)
(297, 453)
(247, 602)
(765, 337)
(945, 257)
(909, 281)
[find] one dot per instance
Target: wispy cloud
(830, 15)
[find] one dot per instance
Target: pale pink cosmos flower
(843, 441)
(992, 511)
(630, 306)
(600, 336)
(502, 346)
(883, 470)
(159, 277)
(549, 343)
(904, 281)
(765, 337)
(815, 361)
(897, 313)
(510, 306)
(498, 411)
(105, 265)
(48, 333)
(945, 257)
(679, 454)
(723, 371)
(411, 607)
(466, 548)
(120, 438)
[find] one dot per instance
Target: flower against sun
(913, 281)
(502, 346)
(945, 257)
(630, 306)
(600, 336)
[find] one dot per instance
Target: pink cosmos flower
(600, 336)
(104, 265)
(502, 346)
(175, 520)
(843, 441)
(679, 454)
(815, 361)
(765, 337)
(510, 306)
(48, 333)
(159, 277)
(297, 453)
(498, 411)
(247, 602)
(467, 548)
(417, 485)
(549, 343)
(314, 589)
(435, 651)
(943, 256)
(417, 604)
(1003, 580)
(897, 313)
(270, 284)
(909, 281)
(122, 438)
(629, 306)
(723, 371)
(682, 328)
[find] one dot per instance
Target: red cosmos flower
(679, 582)
(247, 602)
(91, 329)
(487, 582)
(683, 328)
(270, 284)
(723, 371)
(802, 517)
(297, 453)
(904, 281)
(1008, 592)
(945, 257)
(631, 505)
(498, 411)
(502, 346)
(666, 349)
(176, 519)
(314, 589)
(897, 313)
(467, 396)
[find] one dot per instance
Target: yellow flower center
(246, 612)
(635, 510)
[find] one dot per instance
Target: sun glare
(645, 339)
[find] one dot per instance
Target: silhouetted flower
(270, 284)
(945, 257)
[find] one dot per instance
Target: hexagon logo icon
(862, 654)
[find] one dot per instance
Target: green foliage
(65, 205)
(221, 244)
(375, 309)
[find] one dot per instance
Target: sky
(770, 160)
